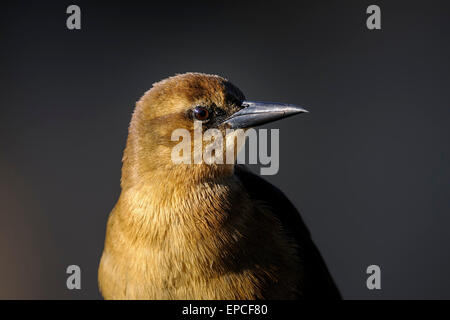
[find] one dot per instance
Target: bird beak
(257, 113)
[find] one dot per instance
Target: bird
(182, 231)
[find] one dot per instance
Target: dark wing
(318, 283)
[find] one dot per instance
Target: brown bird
(204, 231)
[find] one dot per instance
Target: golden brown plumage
(190, 231)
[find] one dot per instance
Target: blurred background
(368, 167)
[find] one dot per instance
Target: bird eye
(201, 113)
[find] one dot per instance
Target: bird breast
(201, 242)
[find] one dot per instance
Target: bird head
(190, 101)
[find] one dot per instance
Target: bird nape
(204, 230)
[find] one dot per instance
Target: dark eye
(201, 113)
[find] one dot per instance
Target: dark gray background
(368, 167)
